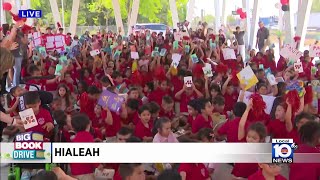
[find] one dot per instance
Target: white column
(174, 13)
(62, 13)
(134, 15)
(55, 12)
(74, 17)
(26, 4)
(217, 15)
(255, 20)
(224, 13)
(302, 24)
(117, 14)
(3, 19)
(289, 24)
(190, 11)
(247, 23)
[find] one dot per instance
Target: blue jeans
(17, 71)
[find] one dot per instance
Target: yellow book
(247, 77)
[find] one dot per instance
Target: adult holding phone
(262, 37)
(239, 35)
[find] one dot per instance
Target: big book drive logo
(282, 150)
(28, 146)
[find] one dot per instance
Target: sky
(268, 9)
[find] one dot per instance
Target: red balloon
(284, 2)
(239, 11)
(243, 15)
(7, 6)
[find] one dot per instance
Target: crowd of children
(160, 107)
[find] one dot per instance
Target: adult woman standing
(6, 63)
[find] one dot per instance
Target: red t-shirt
(184, 100)
(294, 135)
(157, 95)
(194, 171)
(270, 64)
(98, 121)
(244, 170)
(177, 84)
(230, 100)
(301, 171)
(142, 131)
(259, 176)
(111, 130)
(200, 122)
(42, 117)
(87, 105)
(277, 128)
(230, 129)
(134, 118)
(169, 114)
(52, 86)
(281, 65)
(82, 168)
(40, 83)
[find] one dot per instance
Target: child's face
(287, 75)
(167, 107)
(271, 169)
(56, 105)
(280, 112)
(164, 85)
(263, 90)
(119, 79)
(111, 64)
(260, 75)
(301, 123)
(62, 91)
(68, 78)
(134, 94)
(36, 73)
(230, 89)
(192, 111)
(138, 174)
(166, 129)
(253, 137)
(214, 93)
(208, 108)
(35, 107)
(128, 73)
(189, 90)
(97, 110)
(219, 108)
(51, 70)
(86, 73)
(18, 92)
(145, 116)
(145, 88)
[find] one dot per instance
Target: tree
(315, 6)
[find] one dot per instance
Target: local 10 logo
(282, 150)
(28, 146)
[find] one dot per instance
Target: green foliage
(315, 6)
(96, 12)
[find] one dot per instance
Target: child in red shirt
(98, 121)
(159, 92)
(185, 95)
(166, 109)
(41, 83)
(192, 113)
(88, 101)
(229, 93)
(81, 124)
(256, 134)
(277, 127)
(310, 135)
(231, 127)
(43, 116)
(144, 127)
(132, 113)
(268, 171)
(16, 92)
(203, 120)
(193, 171)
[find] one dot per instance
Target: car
(153, 27)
